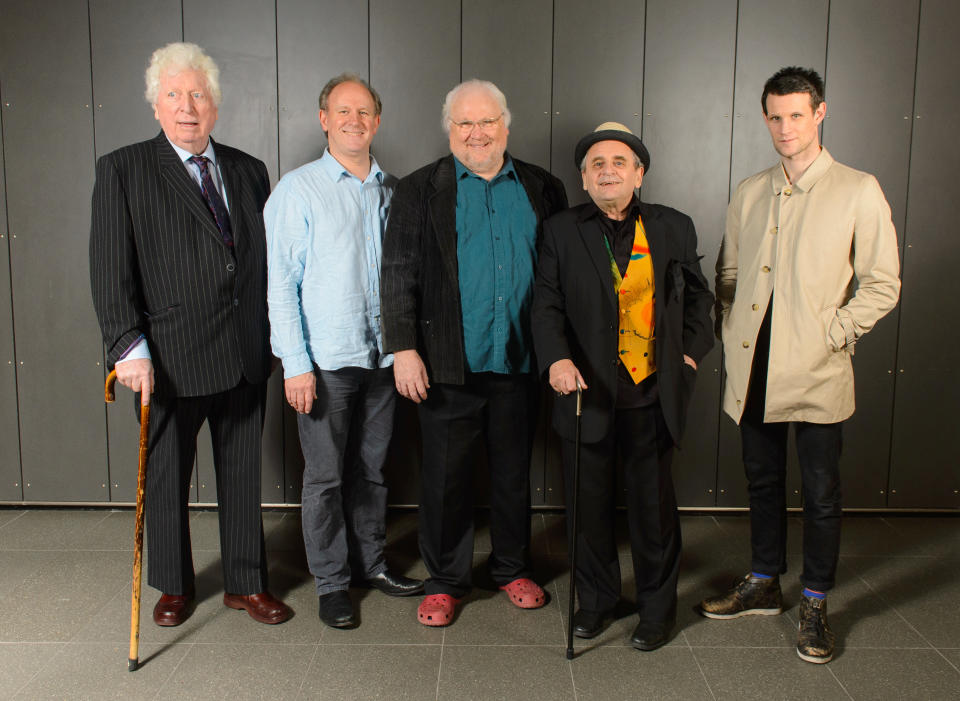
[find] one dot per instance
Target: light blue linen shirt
(139, 349)
(324, 245)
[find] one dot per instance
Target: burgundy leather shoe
(172, 609)
(262, 607)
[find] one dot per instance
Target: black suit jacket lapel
(657, 240)
(173, 171)
(591, 233)
(443, 213)
(231, 181)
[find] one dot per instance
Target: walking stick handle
(108, 394)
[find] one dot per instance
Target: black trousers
(498, 412)
(235, 418)
(765, 464)
(641, 439)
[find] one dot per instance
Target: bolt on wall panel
(48, 144)
(925, 471)
(869, 92)
(123, 35)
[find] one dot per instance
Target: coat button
(787, 191)
(738, 402)
(765, 268)
(236, 302)
(774, 230)
(755, 307)
(746, 344)
(231, 267)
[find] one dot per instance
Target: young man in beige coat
(800, 238)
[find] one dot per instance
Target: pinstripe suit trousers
(235, 418)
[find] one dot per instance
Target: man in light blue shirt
(325, 224)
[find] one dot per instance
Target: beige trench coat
(828, 246)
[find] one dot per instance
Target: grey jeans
(344, 440)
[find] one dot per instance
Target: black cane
(573, 526)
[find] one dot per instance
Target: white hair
(176, 57)
(474, 84)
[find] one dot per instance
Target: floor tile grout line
(842, 685)
(896, 610)
(15, 518)
(41, 668)
(440, 663)
(699, 666)
(162, 684)
(316, 651)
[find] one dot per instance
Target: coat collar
(811, 176)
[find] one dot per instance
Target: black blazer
(575, 314)
(420, 286)
(159, 267)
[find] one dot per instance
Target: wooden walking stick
(134, 659)
(573, 525)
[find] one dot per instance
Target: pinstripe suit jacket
(159, 267)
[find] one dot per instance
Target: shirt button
(499, 267)
(231, 267)
(765, 268)
(499, 299)
(746, 344)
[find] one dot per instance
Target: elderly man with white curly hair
(178, 271)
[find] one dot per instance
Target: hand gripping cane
(134, 661)
(573, 525)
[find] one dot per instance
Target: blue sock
(813, 594)
(757, 575)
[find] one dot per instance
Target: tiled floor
(64, 623)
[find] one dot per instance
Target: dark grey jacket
(420, 287)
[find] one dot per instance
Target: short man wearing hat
(622, 308)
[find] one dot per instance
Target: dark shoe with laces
(395, 584)
(336, 610)
(750, 596)
(815, 640)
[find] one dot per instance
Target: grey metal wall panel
(596, 46)
(583, 37)
(414, 61)
(763, 47)
(11, 486)
(316, 41)
(924, 466)
(241, 37)
(48, 143)
(869, 83)
(123, 35)
(510, 43)
(691, 52)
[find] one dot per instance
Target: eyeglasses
(486, 125)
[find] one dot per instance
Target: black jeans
(492, 411)
(765, 463)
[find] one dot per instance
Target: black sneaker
(749, 596)
(815, 639)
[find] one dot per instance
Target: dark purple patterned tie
(214, 201)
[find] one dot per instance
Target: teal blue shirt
(497, 258)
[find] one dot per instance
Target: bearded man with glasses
(459, 256)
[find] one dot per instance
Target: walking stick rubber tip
(569, 653)
(132, 665)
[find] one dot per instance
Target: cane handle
(108, 393)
